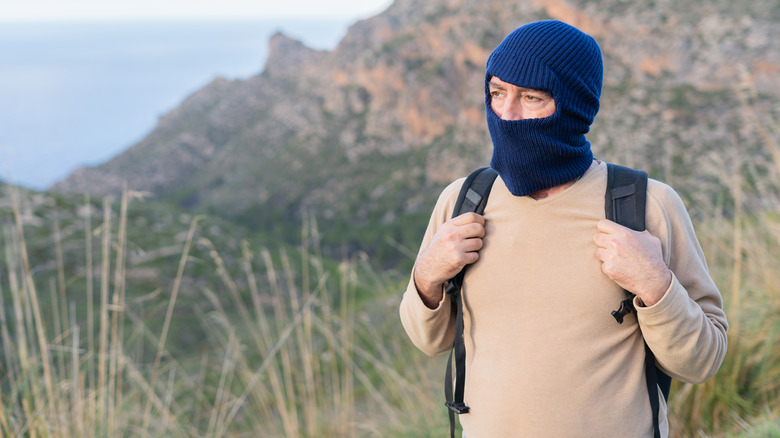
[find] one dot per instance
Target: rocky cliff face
(365, 136)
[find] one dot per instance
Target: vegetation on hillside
(193, 342)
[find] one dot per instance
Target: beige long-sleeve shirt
(544, 356)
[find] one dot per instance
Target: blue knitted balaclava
(536, 154)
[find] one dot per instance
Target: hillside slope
(365, 136)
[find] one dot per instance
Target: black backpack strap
(626, 194)
(473, 197)
(625, 203)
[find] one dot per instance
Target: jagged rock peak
(286, 54)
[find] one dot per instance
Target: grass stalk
(348, 406)
(3, 422)
(305, 338)
(737, 250)
(117, 318)
(89, 277)
(292, 428)
(166, 326)
(10, 374)
(170, 391)
(102, 359)
(200, 385)
(57, 328)
(77, 398)
(61, 286)
(8, 344)
(216, 422)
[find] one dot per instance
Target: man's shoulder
(661, 192)
(455, 186)
(451, 190)
(447, 199)
(664, 204)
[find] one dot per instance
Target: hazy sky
(73, 102)
(187, 9)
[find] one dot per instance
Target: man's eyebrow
(496, 84)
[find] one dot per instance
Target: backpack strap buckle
(458, 408)
(626, 307)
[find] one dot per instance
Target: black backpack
(624, 203)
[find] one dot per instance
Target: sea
(79, 93)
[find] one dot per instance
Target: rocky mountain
(364, 137)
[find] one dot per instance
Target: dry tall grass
(288, 352)
(742, 245)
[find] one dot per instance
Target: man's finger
(472, 230)
(471, 245)
(601, 240)
(468, 218)
(607, 226)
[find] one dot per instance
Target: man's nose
(511, 109)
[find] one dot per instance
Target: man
(545, 357)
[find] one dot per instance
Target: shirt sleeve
(431, 330)
(686, 329)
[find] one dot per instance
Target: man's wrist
(430, 295)
(660, 292)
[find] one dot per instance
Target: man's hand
(454, 246)
(633, 260)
